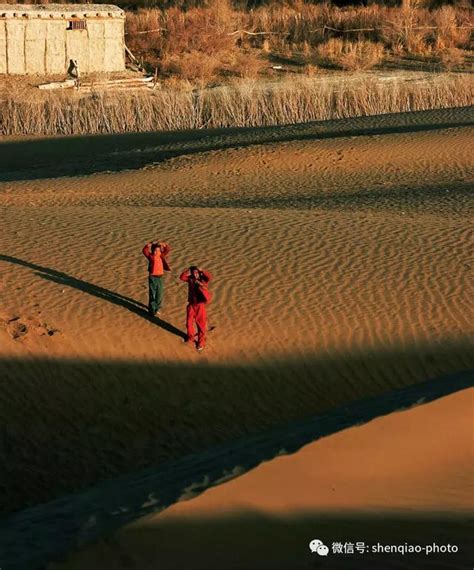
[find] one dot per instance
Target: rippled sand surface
(342, 263)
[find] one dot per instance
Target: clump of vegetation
(180, 105)
(451, 58)
(351, 56)
(218, 40)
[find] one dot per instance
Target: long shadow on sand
(37, 535)
(82, 155)
(95, 290)
(454, 197)
(259, 541)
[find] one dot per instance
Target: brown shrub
(351, 55)
(138, 35)
(453, 28)
(331, 50)
(244, 64)
(297, 28)
(174, 31)
(191, 66)
(407, 30)
(361, 55)
(199, 29)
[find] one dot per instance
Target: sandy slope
(418, 461)
(341, 271)
(392, 462)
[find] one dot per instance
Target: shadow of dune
(37, 535)
(258, 541)
(61, 278)
(82, 155)
(455, 197)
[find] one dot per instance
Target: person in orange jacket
(156, 253)
(198, 296)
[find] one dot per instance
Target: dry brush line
(321, 29)
(244, 104)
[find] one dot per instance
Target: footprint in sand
(17, 329)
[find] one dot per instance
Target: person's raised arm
(185, 276)
(164, 251)
(165, 248)
(206, 276)
(146, 250)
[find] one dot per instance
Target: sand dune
(48, 532)
(37, 157)
(379, 483)
(342, 262)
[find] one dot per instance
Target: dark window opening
(77, 25)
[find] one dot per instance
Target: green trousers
(155, 293)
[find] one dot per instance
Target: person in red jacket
(156, 253)
(198, 296)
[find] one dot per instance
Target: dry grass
(179, 39)
(191, 66)
(244, 64)
(451, 58)
(452, 28)
(361, 55)
(351, 56)
(247, 103)
(221, 32)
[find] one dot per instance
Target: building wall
(46, 46)
(3, 48)
(35, 46)
(15, 41)
(56, 46)
(112, 49)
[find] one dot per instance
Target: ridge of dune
(401, 478)
(416, 460)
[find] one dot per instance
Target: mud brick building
(45, 39)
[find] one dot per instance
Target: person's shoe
(199, 348)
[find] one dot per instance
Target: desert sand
(342, 260)
(403, 478)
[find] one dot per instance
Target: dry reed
(351, 56)
(244, 104)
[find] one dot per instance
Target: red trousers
(196, 312)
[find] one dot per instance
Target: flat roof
(81, 9)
